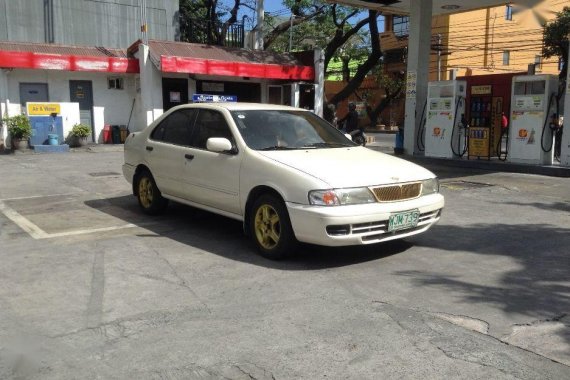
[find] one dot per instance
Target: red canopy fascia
(43, 61)
(175, 64)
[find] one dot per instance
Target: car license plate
(403, 220)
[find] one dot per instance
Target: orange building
(495, 40)
(498, 40)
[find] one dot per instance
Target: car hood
(350, 167)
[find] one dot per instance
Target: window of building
(506, 57)
(509, 12)
(115, 83)
(401, 25)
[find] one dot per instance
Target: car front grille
(401, 192)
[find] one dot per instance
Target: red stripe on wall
(42, 61)
(172, 64)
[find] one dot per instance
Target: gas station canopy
(402, 7)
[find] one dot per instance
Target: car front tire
(150, 199)
(270, 227)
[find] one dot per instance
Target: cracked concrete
(548, 337)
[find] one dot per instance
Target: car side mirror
(219, 145)
(348, 136)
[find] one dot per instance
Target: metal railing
(215, 33)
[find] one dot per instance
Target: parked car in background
(287, 174)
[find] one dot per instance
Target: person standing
(351, 119)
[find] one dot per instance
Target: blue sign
(206, 98)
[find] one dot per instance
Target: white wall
(110, 106)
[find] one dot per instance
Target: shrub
(80, 130)
(19, 127)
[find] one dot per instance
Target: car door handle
(189, 156)
(149, 148)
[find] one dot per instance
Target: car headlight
(339, 197)
(430, 186)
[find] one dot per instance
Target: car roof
(237, 106)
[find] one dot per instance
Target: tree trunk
(368, 65)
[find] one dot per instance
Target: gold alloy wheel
(146, 193)
(267, 226)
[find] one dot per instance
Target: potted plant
(20, 130)
(78, 135)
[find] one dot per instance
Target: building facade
(108, 23)
(89, 53)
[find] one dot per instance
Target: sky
(277, 8)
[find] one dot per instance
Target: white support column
(295, 97)
(418, 69)
(258, 44)
(151, 89)
(565, 143)
(319, 81)
(4, 104)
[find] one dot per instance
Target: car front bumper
(360, 224)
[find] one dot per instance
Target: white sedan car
(287, 174)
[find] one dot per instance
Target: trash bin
(116, 134)
(53, 139)
(399, 143)
(124, 133)
(107, 134)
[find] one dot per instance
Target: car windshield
(287, 129)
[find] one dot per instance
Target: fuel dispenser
(533, 111)
(445, 129)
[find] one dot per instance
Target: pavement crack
(558, 318)
(181, 281)
(95, 306)
(477, 362)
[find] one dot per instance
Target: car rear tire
(150, 199)
(270, 227)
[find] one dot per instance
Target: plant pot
(19, 144)
(77, 142)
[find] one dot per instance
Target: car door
(213, 178)
(167, 151)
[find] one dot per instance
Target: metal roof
(90, 51)
(218, 53)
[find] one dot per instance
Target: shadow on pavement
(224, 237)
(540, 287)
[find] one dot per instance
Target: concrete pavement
(92, 288)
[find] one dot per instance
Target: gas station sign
(43, 109)
(481, 90)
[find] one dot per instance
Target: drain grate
(103, 174)
(464, 185)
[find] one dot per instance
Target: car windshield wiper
(325, 145)
(278, 147)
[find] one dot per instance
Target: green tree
(556, 39)
(393, 85)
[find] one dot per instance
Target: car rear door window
(209, 123)
(176, 128)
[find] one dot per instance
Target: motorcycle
(358, 137)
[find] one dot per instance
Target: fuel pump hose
(453, 131)
(546, 117)
(421, 130)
